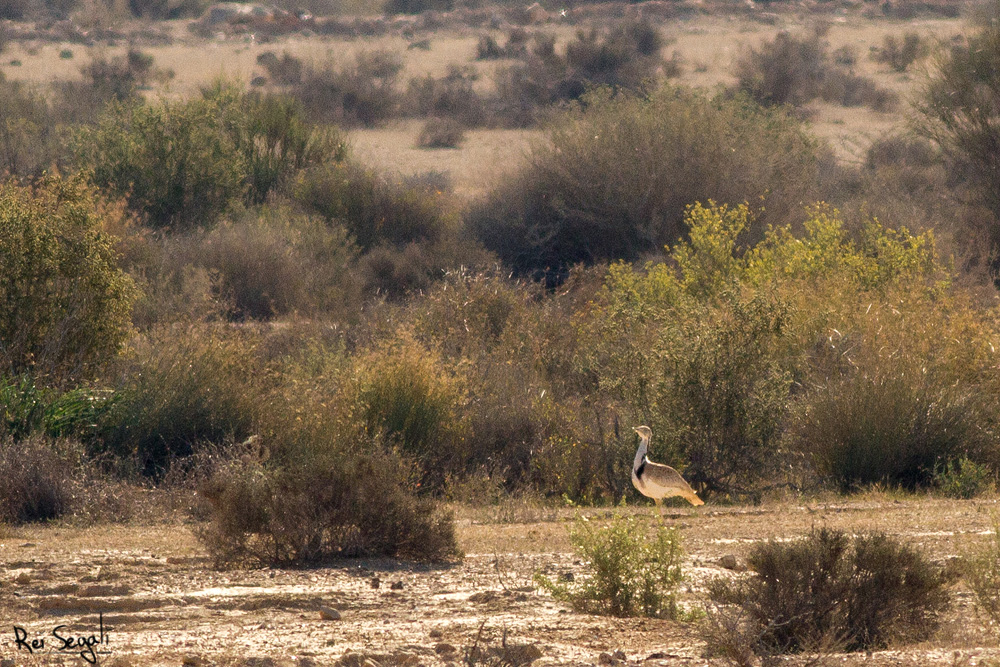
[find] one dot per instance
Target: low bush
(40, 478)
(441, 133)
(365, 92)
(375, 209)
(65, 302)
(963, 478)
(626, 57)
(830, 590)
(631, 574)
(898, 53)
(284, 71)
(452, 97)
(796, 70)
(616, 174)
(314, 488)
(982, 572)
(417, 6)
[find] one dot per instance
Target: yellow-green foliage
(409, 396)
(706, 348)
(630, 574)
(64, 303)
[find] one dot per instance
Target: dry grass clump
(178, 388)
(364, 92)
(898, 53)
(828, 591)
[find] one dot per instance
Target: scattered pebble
(329, 614)
(375, 582)
(396, 586)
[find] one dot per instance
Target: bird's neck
(640, 453)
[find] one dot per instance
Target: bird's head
(643, 432)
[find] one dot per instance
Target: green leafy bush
(26, 408)
(828, 589)
(182, 165)
(963, 478)
(616, 174)
(407, 396)
(631, 574)
(64, 303)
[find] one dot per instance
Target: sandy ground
(162, 602)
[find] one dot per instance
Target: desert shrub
(274, 264)
(452, 96)
(982, 572)
(29, 141)
(899, 54)
(624, 58)
(315, 487)
(796, 70)
(828, 589)
(408, 397)
(284, 71)
(65, 301)
(963, 478)
(631, 574)
(180, 387)
(887, 426)
(417, 6)
(614, 178)
(175, 164)
(364, 93)
(441, 133)
(39, 478)
(272, 135)
(374, 208)
(167, 9)
(517, 45)
(958, 108)
(182, 165)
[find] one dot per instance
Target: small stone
(375, 582)
(522, 654)
(566, 576)
(22, 578)
(729, 562)
(329, 614)
(193, 661)
(618, 655)
(483, 596)
(436, 634)
(396, 585)
(443, 648)
(28, 544)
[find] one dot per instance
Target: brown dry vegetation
(340, 369)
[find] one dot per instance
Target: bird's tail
(693, 498)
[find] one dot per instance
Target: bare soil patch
(162, 602)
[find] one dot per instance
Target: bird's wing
(664, 477)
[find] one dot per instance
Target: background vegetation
(216, 289)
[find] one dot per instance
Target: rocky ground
(161, 601)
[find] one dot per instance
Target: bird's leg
(659, 506)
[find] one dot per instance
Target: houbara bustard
(656, 480)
